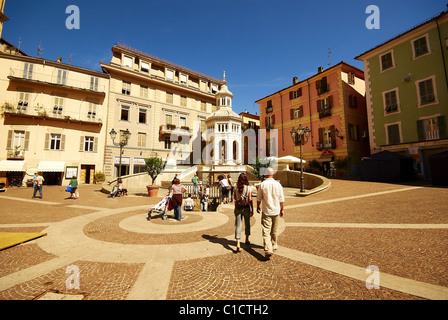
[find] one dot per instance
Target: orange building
(332, 105)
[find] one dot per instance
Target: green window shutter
(81, 144)
(441, 121)
(9, 142)
(47, 141)
(95, 145)
(62, 142)
(27, 140)
(421, 130)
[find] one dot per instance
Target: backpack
(243, 201)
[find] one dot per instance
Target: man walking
(39, 181)
(271, 198)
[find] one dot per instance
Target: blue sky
(260, 44)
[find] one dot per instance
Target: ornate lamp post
(300, 137)
(123, 142)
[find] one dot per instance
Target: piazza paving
(329, 241)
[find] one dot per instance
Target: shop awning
(51, 166)
(12, 166)
(325, 159)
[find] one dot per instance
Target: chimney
(59, 59)
(320, 69)
(295, 80)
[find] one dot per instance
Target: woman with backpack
(243, 209)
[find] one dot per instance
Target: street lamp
(123, 142)
(300, 137)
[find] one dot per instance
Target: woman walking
(74, 184)
(177, 191)
(243, 209)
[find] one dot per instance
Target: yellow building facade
(160, 103)
(52, 120)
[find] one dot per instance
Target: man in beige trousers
(271, 198)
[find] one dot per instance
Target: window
(168, 119)
(393, 134)
(94, 83)
(295, 94)
(144, 67)
(55, 141)
(89, 143)
(432, 128)
(270, 121)
(269, 107)
(28, 71)
(124, 113)
(322, 86)
(183, 79)
(324, 107)
(183, 101)
(170, 75)
(167, 143)
(296, 113)
(420, 46)
(327, 141)
(426, 92)
(141, 139)
(353, 131)
(387, 61)
(127, 62)
(214, 89)
(126, 88)
(391, 101)
(169, 97)
(183, 122)
(24, 98)
(18, 140)
(352, 101)
(58, 106)
(62, 77)
(142, 116)
(91, 114)
(144, 92)
(351, 78)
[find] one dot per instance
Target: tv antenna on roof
(329, 56)
(40, 50)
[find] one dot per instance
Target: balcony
(166, 130)
(22, 109)
(432, 135)
(269, 109)
(325, 113)
(16, 154)
(56, 80)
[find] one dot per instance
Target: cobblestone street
(327, 241)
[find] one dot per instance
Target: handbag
(170, 204)
(69, 189)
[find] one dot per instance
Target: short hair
(176, 181)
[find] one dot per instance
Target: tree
(260, 168)
(154, 166)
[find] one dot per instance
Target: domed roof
(224, 113)
(224, 90)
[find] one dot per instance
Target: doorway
(87, 174)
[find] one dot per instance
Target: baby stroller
(161, 208)
(115, 192)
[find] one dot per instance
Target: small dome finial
(224, 77)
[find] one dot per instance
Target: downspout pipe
(309, 108)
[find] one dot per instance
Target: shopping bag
(69, 189)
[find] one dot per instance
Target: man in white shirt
(271, 198)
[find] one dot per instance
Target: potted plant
(154, 166)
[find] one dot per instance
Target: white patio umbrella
(290, 159)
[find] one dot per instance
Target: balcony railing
(23, 108)
(17, 154)
(169, 129)
(432, 135)
(325, 113)
(57, 79)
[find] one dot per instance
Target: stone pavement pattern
(327, 242)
